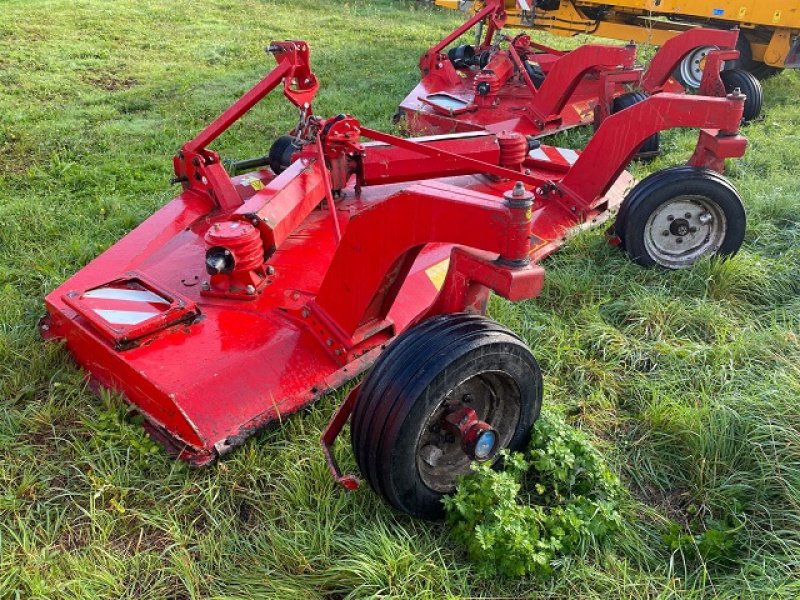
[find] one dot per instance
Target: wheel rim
(692, 65)
(684, 229)
(495, 397)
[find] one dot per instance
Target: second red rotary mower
(505, 83)
(249, 296)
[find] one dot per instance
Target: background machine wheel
(747, 63)
(451, 390)
(651, 145)
(677, 216)
(749, 86)
(690, 70)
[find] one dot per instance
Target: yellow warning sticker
(253, 181)
(436, 273)
(776, 17)
(742, 12)
(584, 109)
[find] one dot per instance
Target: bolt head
(670, 218)
(270, 270)
(679, 240)
(665, 233)
(250, 290)
(205, 286)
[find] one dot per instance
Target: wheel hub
(692, 66)
(478, 439)
(679, 227)
(473, 422)
(684, 229)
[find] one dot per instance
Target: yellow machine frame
(771, 27)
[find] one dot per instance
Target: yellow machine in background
(770, 39)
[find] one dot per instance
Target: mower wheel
(454, 389)
(651, 145)
(280, 153)
(679, 215)
(750, 86)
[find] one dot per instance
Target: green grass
(688, 382)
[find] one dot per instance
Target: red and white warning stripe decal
(551, 154)
(125, 306)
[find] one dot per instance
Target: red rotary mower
(513, 84)
(247, 297)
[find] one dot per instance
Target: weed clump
(557, 499)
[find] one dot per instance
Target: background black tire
(280, 153)
(750, 87)
(651, 145)
(410, 380)
(746, 62)
(656, 192)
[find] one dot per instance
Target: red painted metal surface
(246, 298)
(492, 88)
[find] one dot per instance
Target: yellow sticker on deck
(436, 273)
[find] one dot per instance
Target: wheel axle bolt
(679, 240)
(688, 215)
(665, 233)
(705, 218)
(670, 218)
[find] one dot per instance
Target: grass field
(689, 382)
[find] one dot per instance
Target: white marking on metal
(538, 154)
(523, 4)
(569, 155)
(123, 294)
(124, 317)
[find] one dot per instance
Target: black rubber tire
(746, 62)
(280, 153)
(652, 144)
(462, 56)
(535, 73)
(407, 383)
(662, 186)
(764, 71)
(750, 87)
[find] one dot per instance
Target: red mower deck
(513, 84)
(246, 298)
